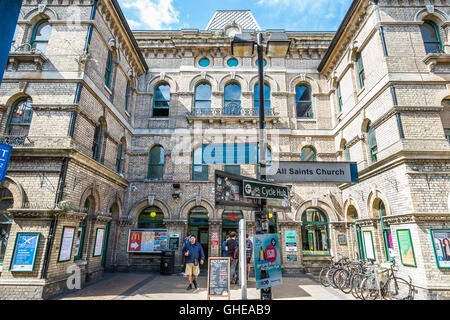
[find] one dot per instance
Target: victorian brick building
(109, 130)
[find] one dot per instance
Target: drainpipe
(51, 235)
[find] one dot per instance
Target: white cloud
(311, 6)
(152, 14)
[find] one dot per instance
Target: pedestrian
(195, 256)
(231, 248)
(185, 242)
(224, 243)
(248, 253)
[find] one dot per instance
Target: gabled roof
(222, 18)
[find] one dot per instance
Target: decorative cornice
(417, 218)
(55, 107)
(368, 222)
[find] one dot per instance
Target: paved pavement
(153, 286)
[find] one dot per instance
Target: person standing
(185, 242)
(195, 256)
(230, 248)
(248, 253)
(224, 243)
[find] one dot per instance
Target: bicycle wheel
(345, 281)
(369, 288)
(340, 278)
(356, 285)
(323, 276)
(330, 276)
(399, 289)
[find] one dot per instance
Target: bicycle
(392, 288)
(346, 276)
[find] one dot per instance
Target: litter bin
(167, 262)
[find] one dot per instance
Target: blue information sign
(5, 154)
(24, 252)
(267, 260)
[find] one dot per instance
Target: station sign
(303, 171)
(5, 154)
(261, 190)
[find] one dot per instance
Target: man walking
(248, 253)
(186, 241)
(231, 246)
(194, 256)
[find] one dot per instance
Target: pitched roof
(244, 18)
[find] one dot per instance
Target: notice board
(147, 240)
(218, 281)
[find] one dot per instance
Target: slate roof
(244, 18)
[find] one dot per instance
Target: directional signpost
(261, 190)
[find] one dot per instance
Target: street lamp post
(277, 46)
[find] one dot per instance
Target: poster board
(24, 252)
(342, 239)
(290, 240)
(267, 261)
(368, 245)
(218, 281)
(147, 240)
(406, 248)
(66, 245)
(441, 247)
(98, 244)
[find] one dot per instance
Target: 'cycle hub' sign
(261, 190)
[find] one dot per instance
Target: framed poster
(342, 239)
(66, 245)
(147, 240)
(368, 245)
(98, 245)
(218, 281)
(440, 238)
(290, 241)
(406, 248)
(24, 252)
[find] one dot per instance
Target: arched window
(346, 153)
(372, 141)
(119, 157)
(6, 202)
(431, 37)
(203, 97)
(127, 95)
(303, 101)
(156, 163)
(387, 236)
(232, 99)
(266, 99)
(161, 101)
(108, 69)
(352, 216)
(19, 119)
(308, 154)
(315, 234)
(151, 218)
(41, 35)
(445, 118)
(89, 206)
(98, 135)
(339, 96)
(360, 70)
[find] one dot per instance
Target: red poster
(135, 241)
(215, 243)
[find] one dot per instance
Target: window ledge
(107, 89)
(432, 59)
(361, 91)
(36, 57)
(307, 119)
(127, 113)
(159, 118)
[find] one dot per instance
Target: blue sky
(290, 15)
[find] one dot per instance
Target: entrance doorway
(198, 226)
(230, 223)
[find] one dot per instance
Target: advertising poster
(342, 239)
(147, 240)
(267, 260)
(24, 252)
(406, 248)
(98, 247)
(441, 245)
(368, 245)
(65, 251)
(290, 240)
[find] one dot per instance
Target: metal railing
(12, 140)
(229, 111)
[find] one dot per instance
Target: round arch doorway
(198, 226)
